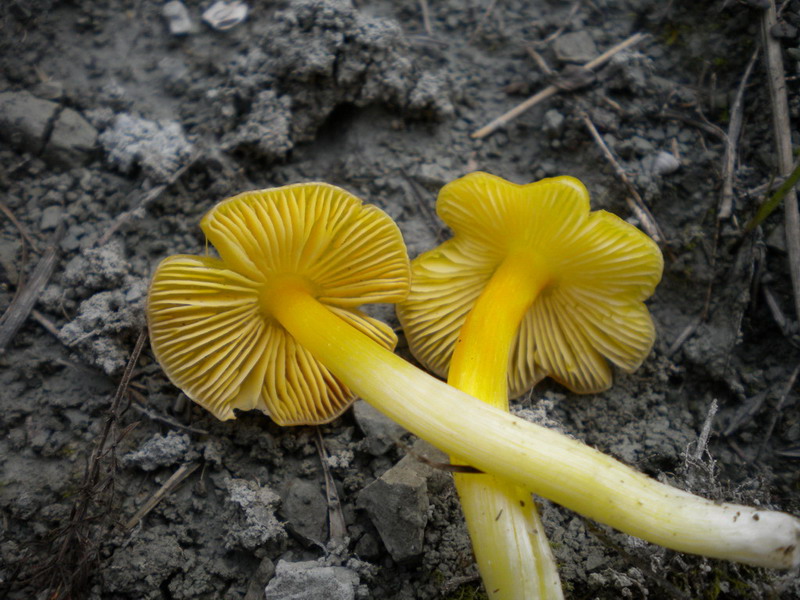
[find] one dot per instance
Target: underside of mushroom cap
(208, 324)
(601, 269)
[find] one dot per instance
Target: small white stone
(225, 15)
(177, 16)
(665, 163)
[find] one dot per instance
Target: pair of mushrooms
(532, 284)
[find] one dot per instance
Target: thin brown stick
(564, 22)
(703, 125)
(732, 143)
(483, 20)
(539, 60)
(337, 528)
(155, 416)
(20, 227)
(19, 310)
(19, 280)
(553, 89)
(433, 464)
(48, 325)
(705, 432)
(426, 16)
(684, 335)
(773, 61)
(776, 414)
(775, 310)
(169, 486)
(150, 196)
(637, 204)
(74, 553)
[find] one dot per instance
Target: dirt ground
(122, 123)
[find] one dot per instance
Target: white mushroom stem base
(543, 461)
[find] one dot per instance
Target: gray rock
(665, 163)
(25, 120)
(51, 217)
(367, 547)
(177, 16)
(253, 523)
(641, 146)
(306, 509)
(31, 124)
(380, 430)
(158, 147)
(265, 572)
(575, 47)
(776, 239)
(267, 129)
(71, 141)
(225, 14)
(397, 504)
(435, 174)
(553, 123)
(310, 581)
(160, 451)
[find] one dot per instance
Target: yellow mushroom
(281, 301)
(531, 284)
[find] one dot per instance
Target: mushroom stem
(543, 461)
(508, 539)
(480, 359)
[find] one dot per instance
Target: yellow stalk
(509, 541)
(480, 360)
(543, 461)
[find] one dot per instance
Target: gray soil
(122, 123)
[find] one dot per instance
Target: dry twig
(773, 61)
(636, 204)
(169, 486)
(776, 414)
(337, 528)
(483, 20)
(566, 21)
(74, 553)
(684, 335)
(19, 310)
(705, 432)
(140, 407)
(745, 413)
(426, 16)
(551, 90)
(732, 144)
(150, 196)
(701, 124)
(540, 61)
(775, 310)
(20, 227)
(48, 325)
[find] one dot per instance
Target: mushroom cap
(592, 311)
(210, 330)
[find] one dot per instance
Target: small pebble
(178, 19)
(665, 163)
(225, 15)
(51, 217)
